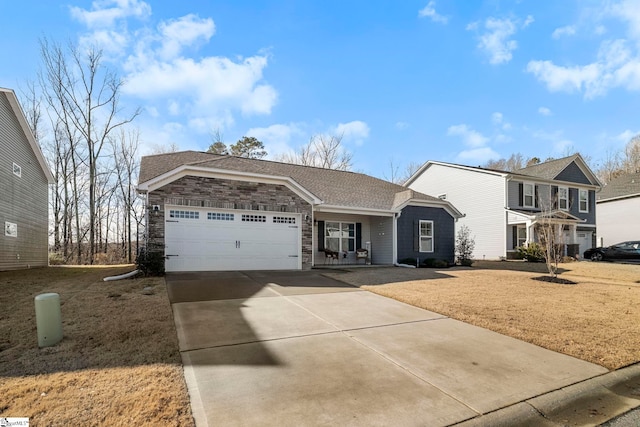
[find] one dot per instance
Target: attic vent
(17, 170)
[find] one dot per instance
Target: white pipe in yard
(121, 276)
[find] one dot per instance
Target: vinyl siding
(381, 240)
(23, 200)
(443, 233)
(479, 196)
(618, 221)
(573, 173)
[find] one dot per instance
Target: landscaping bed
(117, 364)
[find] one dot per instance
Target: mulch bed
(554, 280)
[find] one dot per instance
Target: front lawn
(596, 320)
(118, 363)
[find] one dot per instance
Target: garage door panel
(205, 239)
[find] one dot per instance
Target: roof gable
(569, 169)
(19, 114)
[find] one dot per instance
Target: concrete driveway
(298, 348)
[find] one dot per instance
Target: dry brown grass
(597, 320)
(118, 363)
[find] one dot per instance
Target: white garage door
(214, 239)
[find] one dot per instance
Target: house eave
(432, 204)
(613, 199)
(353, 210)
(429, 163)
(203, 172)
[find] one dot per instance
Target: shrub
(465, 244)
(434, 263)
(532, 252)
(56, 258)
(150, 261)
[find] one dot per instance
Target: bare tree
(85, 97)
(322, 151)
(164, 149)
(631, 161)
(514, 162)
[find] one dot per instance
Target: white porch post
(529, 228)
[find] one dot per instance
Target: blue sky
(403, 81)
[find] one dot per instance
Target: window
(426, 236)
(340, 236)
(584, 200)
(522, 236)
(284, 220)
(528, 191)
(254, 218)
(563, 198)
(219, 216)
(17, 170)
(10, 229)
(184, 214)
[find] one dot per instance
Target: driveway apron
(299, 348)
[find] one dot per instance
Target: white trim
(566, 199)
(443, 204)
(450, 165)
(432, 236)
(613, 199)
(201, 172)
(352, 210)
(524, 194)
(17, 111)
(580, 201)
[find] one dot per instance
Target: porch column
(573, 233)
(529, 228)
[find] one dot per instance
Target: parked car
(619, 251)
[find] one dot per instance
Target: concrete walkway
(298, 348)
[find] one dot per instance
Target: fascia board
(188, 170)
(432, 204)
(535, 179)
(352, 210)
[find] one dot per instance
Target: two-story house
(24, 190)
(503, 208)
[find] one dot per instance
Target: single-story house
(24, 190)
(618, 210)
(218, 212)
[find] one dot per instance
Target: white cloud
(496, 118)
(355, 131)
(207, 91)
(496, 40)
(104, 13)
(184, 31)
(528, 21)
(429, 11)
(627, 135)
(477, 156)
(544, 111)
(563, 147)
(470, 137)
(402, 125)
(277, 138)
(569, 30)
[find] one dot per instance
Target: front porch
(523, 228)
(343, 239)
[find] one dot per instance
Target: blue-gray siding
(23, 200)
(573, 173)
(443, 228)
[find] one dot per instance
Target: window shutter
(515, 236)
(554, 197)
(416, 236)
(321, 235)
(358, 235)
(535, 196)
(521, 194)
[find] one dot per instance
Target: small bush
(434, 263)
(532, 252)
(150, 261)
(465, 244)
(56, 258)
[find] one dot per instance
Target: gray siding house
(502, 208)
(212, 212)
(24, 190)
(618, 210)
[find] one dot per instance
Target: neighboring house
(619, 210)
(214, 212)
(24, 195)
(502, 208)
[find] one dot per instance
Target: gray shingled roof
(547, 170)
(334, 187)
(624, 185)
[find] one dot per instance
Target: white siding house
(483, 208)
(503, 209)
(618, 206)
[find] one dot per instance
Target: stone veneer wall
(242, 195)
